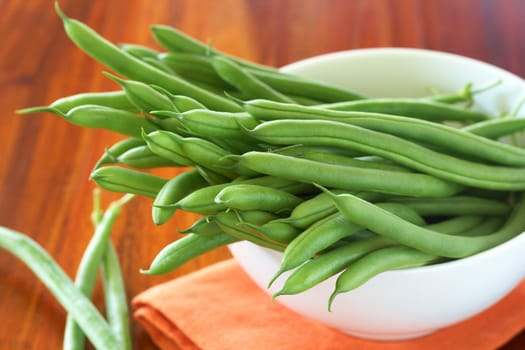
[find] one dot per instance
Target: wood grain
(45, 163)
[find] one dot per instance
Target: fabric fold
(221, 308)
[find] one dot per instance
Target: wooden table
(45, 163)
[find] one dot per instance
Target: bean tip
(113, 77)
(234, 99)
(60, 13)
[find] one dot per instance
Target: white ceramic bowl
(413, 302)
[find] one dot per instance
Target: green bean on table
(60, 285)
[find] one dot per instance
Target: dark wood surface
(45, 162)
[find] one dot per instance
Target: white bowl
(413, 302)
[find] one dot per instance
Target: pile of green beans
(341, 183)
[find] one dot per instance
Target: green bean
(174, 190)
(100, 117)
(133, 68)
(319, 207)
(231, 223)
(330, 230)
(117, 179)
(195, 67)
(174, 40)
(293, 86)
(495, 128)
(382, 222)
(351, 161)
(293, 187)
(255, 197)
(299, 151)
(155, 63)
(204, 226)
(87, 270)
(375, 262)
(141, 157)
(444, 166)
(487, 226)
(328, 264)
(436, 134)
(276, 231)
(345, 177)
(456, 205)
(199, 68)
(211, 177)
(200, 201)
(167, 145)
(217, 124)
(60, 285)
(139, 51)
(185, 249)
(116, 307)
(112, 99)
(244, 81)
(456, 225)
(410, 107)
(205, 153)
(145, 97)
(111, 154)
(184, 103)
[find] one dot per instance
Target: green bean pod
(330, 230)
(244, 81)
(185, 104)
(352, 161)
(410, 107)
(204, 226)
(185, 249)
(174, 190)
(119, 121)
(117, 311)
(380, 260)
(330, 263)
(222, 125)
(436, 134)
(141, 157)
(133, 68)
(139, 51)
(175, 40)
(231, 223)
(60, 285)
(195, 67)
(112, 99)
(111, 154)
(382, 222)
(117, 179)
(457, 224)
(277, 231)
(256, 197)
(89, 265)
(457, 205)
(205, 153)
(167, 145)
(497, 127)
(345, 177)
(145, 97)
(200, 201)
(440, 165)
(320, 206)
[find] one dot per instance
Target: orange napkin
(221, 308)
